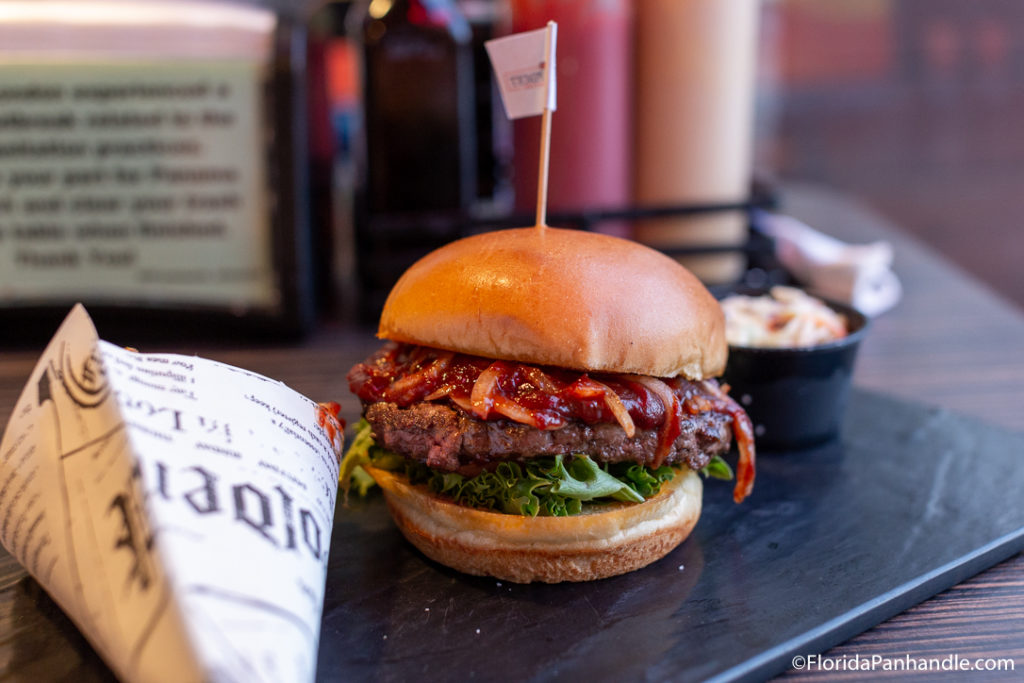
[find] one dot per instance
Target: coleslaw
(786, 317)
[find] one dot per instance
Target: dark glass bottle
(419, 107)
(418, 171)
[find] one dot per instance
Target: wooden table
(951, 343)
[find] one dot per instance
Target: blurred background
(385, 137)
(910, 106)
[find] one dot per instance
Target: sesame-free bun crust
(566, 298)
(619, 539)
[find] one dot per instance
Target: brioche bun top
(567, 298)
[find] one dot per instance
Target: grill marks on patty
(447, 439)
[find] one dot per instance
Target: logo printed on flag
(519, 61)
(532, 77)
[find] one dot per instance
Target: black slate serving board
(834, 540)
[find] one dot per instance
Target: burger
(545, 405)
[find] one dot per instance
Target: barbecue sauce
(405, 374)
(546, 397)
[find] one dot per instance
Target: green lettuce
(549, 486)
(351, 475)
(717, 469)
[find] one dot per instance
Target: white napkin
(859, 275)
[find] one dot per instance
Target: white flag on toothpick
(525, 70)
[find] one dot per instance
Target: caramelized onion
(743, 430)
(440, 392)
(585, 388)
(539, 379)
(407, 387)
(514, 411)
(482, 396)
(670, 428)
(615, 404)
(462, 402)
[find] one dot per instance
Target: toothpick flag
(525, 79)
(525, 66)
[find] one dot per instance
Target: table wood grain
(951, 342)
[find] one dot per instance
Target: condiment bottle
(694, 123)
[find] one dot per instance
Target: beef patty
(447, 439)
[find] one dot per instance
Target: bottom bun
(614, 539)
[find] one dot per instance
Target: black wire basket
(386, 245)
